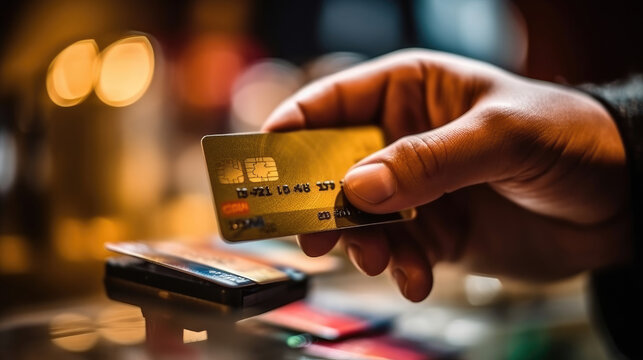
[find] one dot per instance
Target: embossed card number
(277, 184)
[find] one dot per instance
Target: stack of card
(207, 273)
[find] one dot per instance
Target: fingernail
(355, 254)
(400, 278)
(372, 183)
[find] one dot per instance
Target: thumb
(420, 168)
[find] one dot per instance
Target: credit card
(277, 184)
(322, 323)
(216, 266)
(372, 348)
(254, 270)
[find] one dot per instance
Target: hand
(510, 176)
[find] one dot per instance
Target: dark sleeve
(616, 292)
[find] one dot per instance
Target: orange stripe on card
(233, 208)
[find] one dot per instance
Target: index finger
(350, 97)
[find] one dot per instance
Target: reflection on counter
(345, 316)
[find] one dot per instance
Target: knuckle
(421, 156)
(410, 58)
(496, 115)
(504, 122)
(513, 130)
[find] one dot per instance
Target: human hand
(510, 176)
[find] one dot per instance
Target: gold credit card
(277, 184)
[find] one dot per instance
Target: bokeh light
(71, 74)
(82, 240)
(207, 69)
(260, 89)
(126, 71)
(99, 231)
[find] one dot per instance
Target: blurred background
(103, 105)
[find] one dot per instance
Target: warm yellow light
(70, 77)
(69, 239)
(82, 240)
(15, 255)
(101, 230)
(73, 332)
(126, 70)
(187, 215)
(122, 324)
(190, 336)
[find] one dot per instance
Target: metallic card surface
(277, 184)
(220, 260)
(145, 252)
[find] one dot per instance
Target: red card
(374, 347)
(322, 323)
